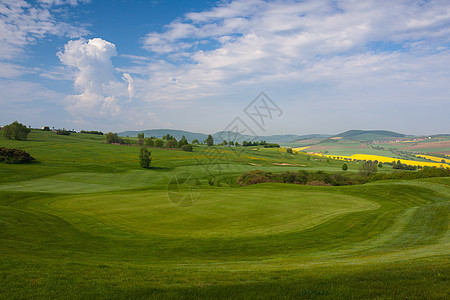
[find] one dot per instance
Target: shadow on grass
(161, 169)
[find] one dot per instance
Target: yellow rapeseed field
(299, 148)
(434, 158)
(385, 159)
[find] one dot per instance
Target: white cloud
(127, 77)
(100, 93)
(8, 70)
(23, 23)
(255, 42)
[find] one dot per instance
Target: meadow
(85, 221)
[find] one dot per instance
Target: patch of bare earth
(442, 152)
(286, 164)
(443, 144)
(323, 147)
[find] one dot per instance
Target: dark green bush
(187, 147)
(62, 132)
(14, 156)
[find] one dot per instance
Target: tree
(140, 139)
(187, 148)
(112, 138)
(16, 131)
(289, 150)
(224, 143)
(368, 168)
(209, 140)
(172, 143)
(167, 137)
(182, 142)
(344, 167)
(195, 141)
(149, 142)
(145, 158)
(159, 143)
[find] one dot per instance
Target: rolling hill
(370, 135)
(86, 222)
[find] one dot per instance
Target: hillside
(86, 222)
(369, 135)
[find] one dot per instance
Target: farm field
(84, 221)
(417, 152)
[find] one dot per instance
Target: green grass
(85, 222)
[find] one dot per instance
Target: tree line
(322, 178)
(167, 141)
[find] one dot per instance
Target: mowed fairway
(93, 229)
(232, 213)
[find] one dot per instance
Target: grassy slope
(97, 226)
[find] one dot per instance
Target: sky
(324, 66)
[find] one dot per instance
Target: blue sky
(330, 66)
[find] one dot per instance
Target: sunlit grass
(85, 221)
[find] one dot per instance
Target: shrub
(14, 156)
(187, 148)
(62, 132)
(258, 179)
(300, 177)
(247, 176)
(288, 177)
(368, 168)
(289, 150)
(426, 172)
(145, 158)
(318, 183)
(344, 167)
(92, 132)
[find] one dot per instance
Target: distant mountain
(312, 136)
(222, 135)
(370, 135)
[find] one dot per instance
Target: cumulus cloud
(254, 42)
(100, 93)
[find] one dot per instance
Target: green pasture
(86, 222)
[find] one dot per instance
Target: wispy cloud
(23, 23)
(248, 42)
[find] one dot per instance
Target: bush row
(426, 172)
(335, 179)
(300, 177)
